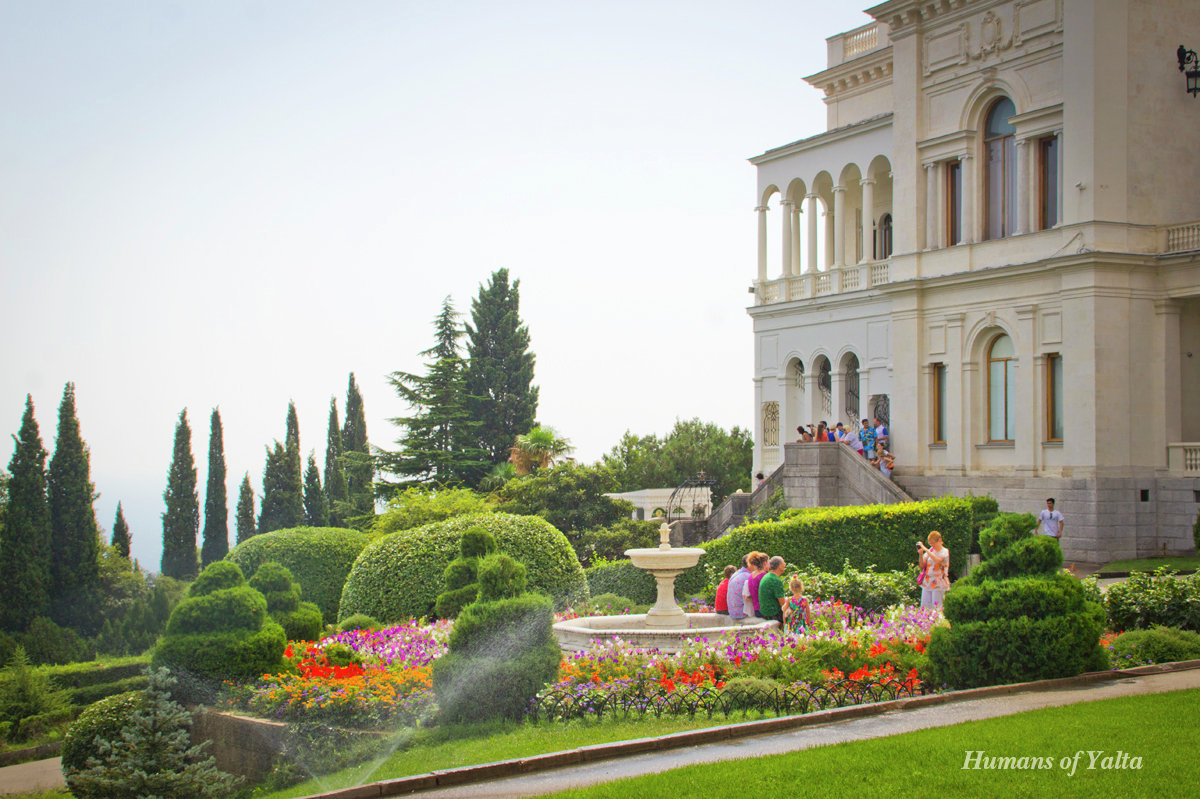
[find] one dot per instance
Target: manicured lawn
(1150, 564)
(452, 747)
(1158, 728)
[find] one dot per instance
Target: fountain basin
(576, 635)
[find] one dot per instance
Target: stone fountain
(665, 626)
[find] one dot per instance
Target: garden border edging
(508, 768)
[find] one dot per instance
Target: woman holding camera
(935, 571)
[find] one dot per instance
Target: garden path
(890, 723)
(40, 775)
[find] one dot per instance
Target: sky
(236, 204)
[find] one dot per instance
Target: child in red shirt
(722, 604)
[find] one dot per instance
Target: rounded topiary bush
(1039, 554)
(105, 720)
(319, 558)
(1005, 529)
(219, 631)
(1156, 645)
(461, 576)
(301, 621)
(501, 651)
(399, 576)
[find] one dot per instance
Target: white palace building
(996, 246)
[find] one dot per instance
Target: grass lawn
(1150, 564)
(452, 747)
(1158, 728)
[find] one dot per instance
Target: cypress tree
(356, 455)
(283, 494)
(181, 519)
(25, 537)
(216, 505)
(120, 533)
(335, 478)
(498, 379)
(438, 445)
(74, 536)
(291, 442)
(316, 506)
(245, 511)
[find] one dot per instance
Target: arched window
(1000, 170)
(883, 245)
(1002, 387)
(852, 387)
(797, 374)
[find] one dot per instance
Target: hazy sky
(235, 204)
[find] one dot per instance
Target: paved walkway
(891, 723)
(40, 775)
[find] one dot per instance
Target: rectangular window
(1048, 182)
(939, 403)
(1054, 397)
(953, 203)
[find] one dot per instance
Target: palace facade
(995, 246)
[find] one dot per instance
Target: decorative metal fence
(642, 697)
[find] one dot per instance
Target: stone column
(1058, 134)
(1168, 388)
(1028, 435)
(868, 231)
(797, 263)
(829, 237)
(762, 243)
(958, 405)
(837, 394)
(839, 226)
(968, 198)
(931, 210)
(1025, 188)
(785, 225)
(812, 264)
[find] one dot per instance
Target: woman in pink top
(935, 560)
(758, 568)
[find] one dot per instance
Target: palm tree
(537, 449)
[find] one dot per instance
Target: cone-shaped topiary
(460, 576)
(501, 651)
(301, 621)
(1015, 618)
(219, 631)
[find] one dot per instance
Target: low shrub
(319, 558)
(1039, 554)
(103, 720)
(621, 577)
(879, 535)
(1036, 597)
(607, 605)
(1156, 645)
(747, 693)
(26, 693)
(609, 543)
(1005, 529)
(862, 588)
(1144, 600)
(47, 643)
(771, 510)
(399, 576)
(359, 621)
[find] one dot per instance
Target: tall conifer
(316, 506)
(438, 444)
(245, 511)
(74, 536)
(216, 504)
(357, 463)
(283, 494)
(335, 478)
(25, 537)
(121, 540)
(181, 520)
(498, 379)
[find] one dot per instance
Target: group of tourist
(870, 441)
(756, 591)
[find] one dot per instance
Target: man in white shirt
(881, 432)
(1050, 521)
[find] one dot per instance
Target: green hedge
(89, 694)
(94, 672)
(1156, 645)
(1143, 601)
(622, 578)
(399, 576)
(319, 558)
(883, 536)
(1052, 595)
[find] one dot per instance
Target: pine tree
(25, 537)
(181, 519)
(293, 425)
(498, 379)
(153, 755)
(316, 506)
(121, 540)
(74, 536)
(437, 447)
(283, 493)
(216, 505)
(245, 511)
(357, 463)
(335, 478)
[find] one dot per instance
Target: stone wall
(243, 746)
(1106, 518)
